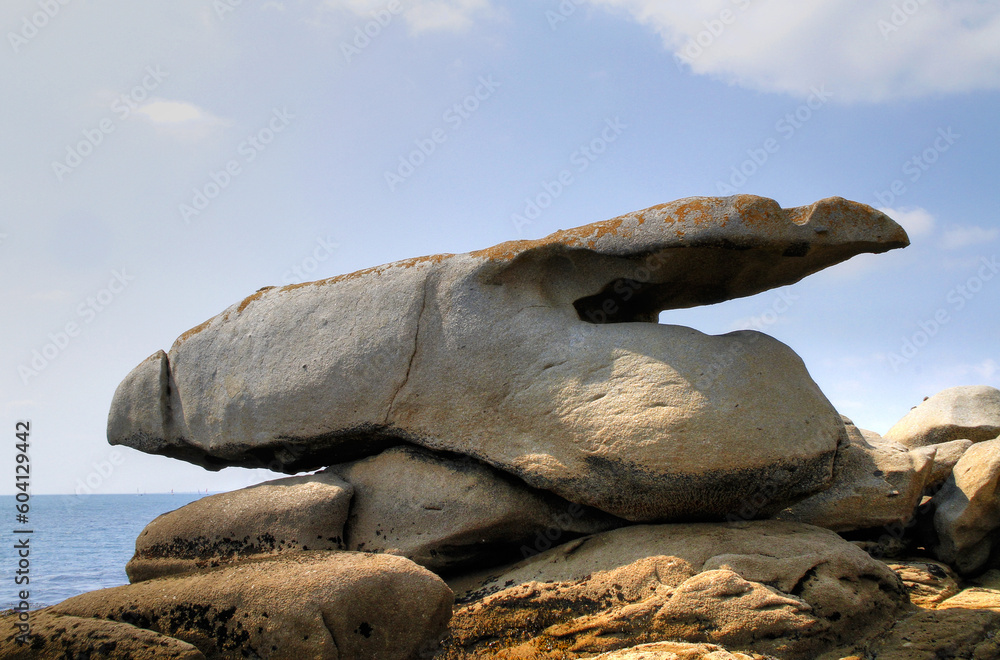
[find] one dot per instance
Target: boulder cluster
(508, 457)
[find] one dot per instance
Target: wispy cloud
(915, 220)
(984, 372)
(959, 237)
(866, 51)
(424, 15)
(453, 15)
(181, 119)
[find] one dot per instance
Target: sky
(164, 159)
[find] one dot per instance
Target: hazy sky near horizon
(162, 160)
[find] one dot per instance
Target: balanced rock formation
(542, 358)
(967, 509)
(285, 515)
(958, 413)
(786, 589)
(331, 605)
(448, 512)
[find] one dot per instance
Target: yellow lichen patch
(509, 249)
(249, 299)
(587, 235)
(800, 215)
(654, 210)
(409, 263)
(193, 331)
(758, 212)
(331, 280)
(698, 211)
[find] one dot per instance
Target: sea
(75, 543)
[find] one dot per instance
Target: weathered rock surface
(928, 582)
(970, 412)
(948, 633)
(967, 509)
(541, 358)
(676, 651)
(946, 457)
(333, 605)
(876, 482)
(448, 511)
(59, 637)
(990, 579)
(786, 589)
(974, 598)
(284, 515)
(873, 485)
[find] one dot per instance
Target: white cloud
(861, 50)
(915, 220)
(170, 112)
(959, 237)
(181, 119)
(454, 15)
(986, 372)
(423, 15)
(986, 369)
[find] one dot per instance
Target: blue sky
(162, 160)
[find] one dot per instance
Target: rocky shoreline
(516, 461)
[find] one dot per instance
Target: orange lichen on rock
(696, 212)
(249, 299)
(193, 331)
(585, 236)
(759, 212)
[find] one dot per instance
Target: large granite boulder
(970, 412)
(447, 512)
(284, 515)
(61, 637)
(331, 605)
(542, 358)
(967, 509)
(787, 589)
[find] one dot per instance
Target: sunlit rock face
(541, 358)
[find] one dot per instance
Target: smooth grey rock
(284, 515)
(967, 509)
(946, 456)
(446, 513)
(542, 358)
(958, 413)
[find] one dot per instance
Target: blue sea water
(78, 542)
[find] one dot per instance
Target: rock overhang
(301, 376)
